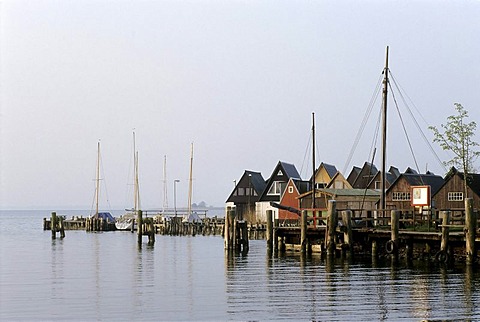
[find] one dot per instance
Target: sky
(238, 79)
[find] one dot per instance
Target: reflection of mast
(165, 197)
(384, 134)
(190, 183)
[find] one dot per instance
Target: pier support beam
(347, 233)
(331, 227)
(392, 245)
(470, 231)
(303, 231)
(269, 229)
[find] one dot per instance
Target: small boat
(125, 222)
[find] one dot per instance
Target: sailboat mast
(97, 188)
(313, 162)
(384, 133)
(190, 183)
(135, 181)
(165, 196)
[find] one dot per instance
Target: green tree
(457, 136)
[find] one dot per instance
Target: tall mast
(190, 183)
(137, 190)
(384, 133)
(135, 179)
(165, 197)
(97, 188)
(313, 162)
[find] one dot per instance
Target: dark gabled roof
(394, 173)
(258, 183)
(302, 186)
(435, 182)
(365, 176)
(353, 175)
(473, 181)
(290, 170)
(331, 169)
(411, 171)
(255, 180)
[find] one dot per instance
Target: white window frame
(401, 196)
(455, 196)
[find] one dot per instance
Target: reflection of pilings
(470, 229)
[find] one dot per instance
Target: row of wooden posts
(392, 245)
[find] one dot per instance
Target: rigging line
(105, 183)
(405, 131)
(418, 125)
(366, 187)
(305, 156)
(368, 111)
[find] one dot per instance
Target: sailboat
(127, 221)
(191, 216)
(100, 215)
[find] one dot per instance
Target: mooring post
(470, 229)
(331, 227)
(374, 248)
(395, 226)
(347, 234)
(269, 229)
(139, 226)
(303, 231)
(226, 230)
(61, 227)
(53, 225)
(445, 215)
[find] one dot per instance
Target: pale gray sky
(238, 78)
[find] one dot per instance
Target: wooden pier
(393, 232)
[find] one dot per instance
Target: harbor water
(107, 276)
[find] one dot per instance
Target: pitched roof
(255, 179)
(473, 180)
(435, 182)
(290, 170)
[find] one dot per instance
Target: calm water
(105, 276)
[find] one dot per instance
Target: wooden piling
(269, 229)
(445, 215)
(394, 243)
(470, 231)
(53, 224)
(331, 227)
(229, 229)
(347, 234)
(61, 227)
(303, 231)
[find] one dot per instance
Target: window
(241, 191)
(275, 189)
(455, 196)
(290, 189)
(400, 196)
